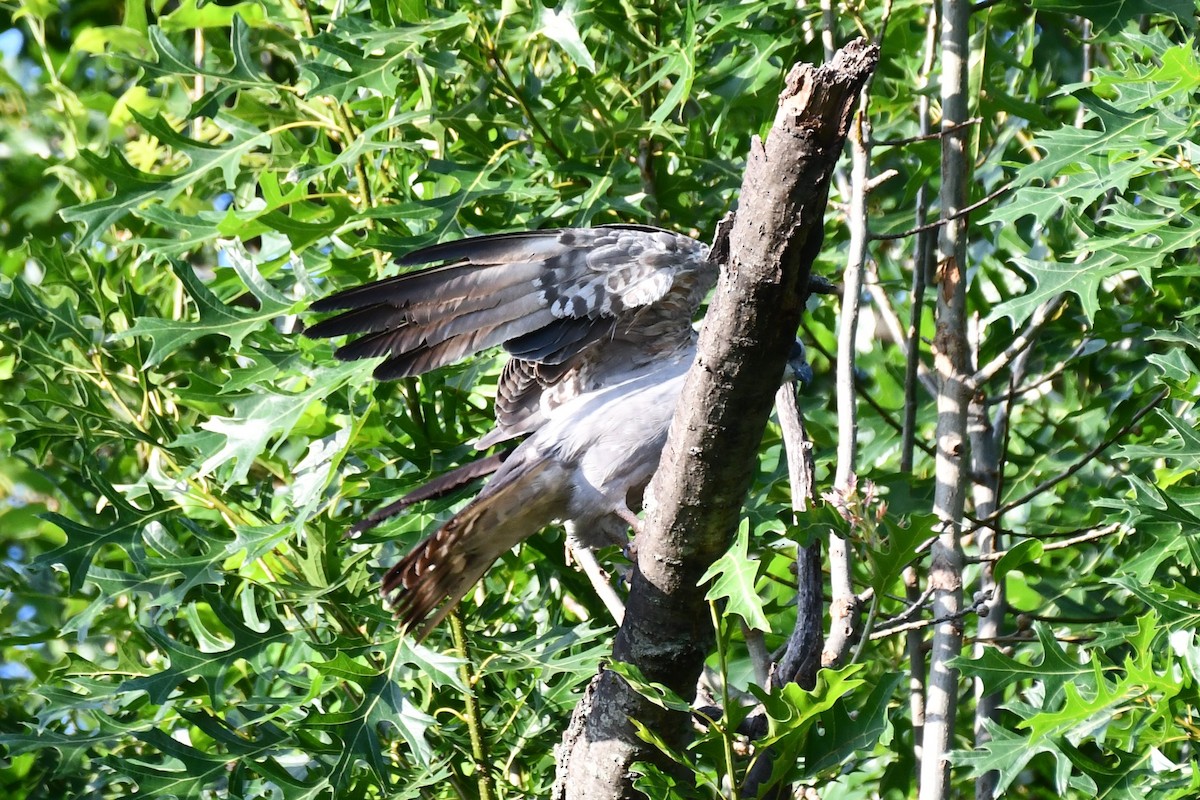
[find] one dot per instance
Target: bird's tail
(429, 582)
(432, 490)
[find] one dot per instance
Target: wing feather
(585, 300)
(576, 308)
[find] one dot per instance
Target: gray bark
(951, 361)
(694, 501)
(843, 605)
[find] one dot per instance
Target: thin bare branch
(891, 320)
(1037, 320)
(1045, 377)
(1089, 536)
(880, 179)
(956, 617)
(914, 647)
(842, 605)
(802, 656)
(926, 135)
(913, 606)
(1053, 481)
(587, 562)
(958, 215)
(514, 92)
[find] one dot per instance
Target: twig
(516, 93)
(842, 606)
(923, 137)
(798, 449)
(1037, 320)
(865, 633)
(1003, 433)
(882, 237)
(883, 633)
(880, 179)
(914, 645)
(1050, 483)
(587, 562)
(801, 658)
(1093, 534)
(1050, 535)
(1043, 378)
(913, 607)
(479, 755)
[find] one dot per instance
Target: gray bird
(598, 324)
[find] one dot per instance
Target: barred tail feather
(434, 577)
(430, 581)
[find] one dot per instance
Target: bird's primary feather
(598, 322)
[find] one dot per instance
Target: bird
(598, 326)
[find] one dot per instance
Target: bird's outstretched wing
(574, 307)
(598, 323)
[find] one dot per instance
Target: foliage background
(182, 615)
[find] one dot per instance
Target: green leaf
(999, 671)
(560, 26)
(656, 693)
(168, 336)
(212, 669)
(171, 62)
(135, 187)
(1008, 754)
(1177, 606)
(85, 542)
(373, 59)
(899, 550)
(384, 707)
(1082, 165)
(188, 15)
(733, 576)
(189, 774)
(1027, 551)
(1183, 448)
(849, 730)
(1089, 710)
(1051, 278)
(262, 416)
(34, 310)
(792, 711)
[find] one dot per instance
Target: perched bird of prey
(598, 326)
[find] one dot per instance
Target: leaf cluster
(182, 614)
